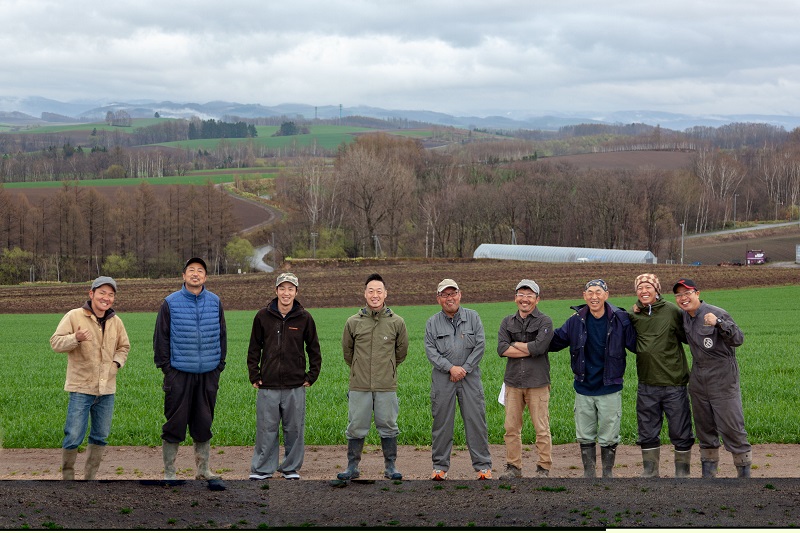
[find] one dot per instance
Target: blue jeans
(80, 407)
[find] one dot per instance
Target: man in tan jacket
(96, 344)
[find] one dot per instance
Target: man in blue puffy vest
(190, 344)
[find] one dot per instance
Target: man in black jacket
(277, 365)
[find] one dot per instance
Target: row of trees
(212, 129)
(389, 196)
(80, 232)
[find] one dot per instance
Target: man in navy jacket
(597, 335)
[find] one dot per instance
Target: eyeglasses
(685, 294)
(523, 296)
(447, 295)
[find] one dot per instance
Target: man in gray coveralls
(454, 344)
(714, 390)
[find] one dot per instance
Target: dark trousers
(189, 399)
(652, 404)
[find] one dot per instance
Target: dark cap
(195, 260)
(104, 280)
(687, 283)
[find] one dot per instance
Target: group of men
(284, 359)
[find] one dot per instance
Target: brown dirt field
(634, 160)
(328, 283)
(31, 496)
(247, 212)
(778, 243)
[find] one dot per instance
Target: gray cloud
(461, 57)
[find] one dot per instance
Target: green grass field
(100, 126)
(327, 137)
(34, 403)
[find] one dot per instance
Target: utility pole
(314, 236)
(735, 196)
(682, 227)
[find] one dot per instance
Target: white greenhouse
(561, 254)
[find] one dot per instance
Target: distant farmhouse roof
(561, 254)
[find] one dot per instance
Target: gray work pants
(469, 394)
(715, 417)
(274, 407)
(361, 405)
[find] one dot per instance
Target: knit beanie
(652, 279)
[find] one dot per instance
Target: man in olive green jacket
(374, 342)
(663, 373)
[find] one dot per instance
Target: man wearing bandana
(597, 335)
(663, 373)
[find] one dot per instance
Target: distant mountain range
(34, 109)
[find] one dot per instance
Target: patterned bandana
(596, 283)
(652, 279)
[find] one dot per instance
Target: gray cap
(530, 284)
(104, 280)
(287, 276)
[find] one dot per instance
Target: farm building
(562, 254)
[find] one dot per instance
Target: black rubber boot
(608, 456)
(589, 458)
(709, 460)
(389, 446)
(354, 449)
(742, 461)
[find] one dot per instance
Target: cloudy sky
(461, 57)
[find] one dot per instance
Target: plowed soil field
(330, 283)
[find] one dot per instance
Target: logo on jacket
(708, 343)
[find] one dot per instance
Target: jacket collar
(189, 294)
(366, 311)
(533, 314)
(273, 307)
(649, 309)
(583, 310)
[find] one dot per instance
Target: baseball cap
(287, 276)
(596, 283)
(447, 282)
(530, 284)
(683, 282)
(195, 260)
(104, 280)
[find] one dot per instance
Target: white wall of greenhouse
(562, 254)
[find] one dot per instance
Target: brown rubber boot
(68, 463)
(93, 461)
